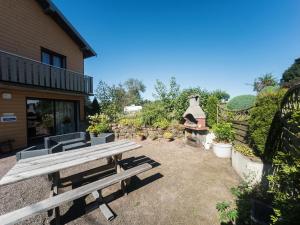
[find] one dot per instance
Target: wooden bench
(74, 146)
(56, 201)
(65, 140)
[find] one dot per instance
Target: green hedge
(261, 117)
(241, 102)
(211, 110)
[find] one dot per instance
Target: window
(53, 58)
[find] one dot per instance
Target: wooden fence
(239, 120)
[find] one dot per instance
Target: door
(65, 117)
(40, 118)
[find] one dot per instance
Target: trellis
(285, 135)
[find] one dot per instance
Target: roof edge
(50, 9)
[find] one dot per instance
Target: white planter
(222, 150)
(247, 168)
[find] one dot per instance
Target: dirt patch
(182, 188)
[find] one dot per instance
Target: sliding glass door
(46, 117)
(65, 120)
(40, 118)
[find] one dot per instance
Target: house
(42, 81)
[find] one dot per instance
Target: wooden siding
(17, 105)
(25, 28)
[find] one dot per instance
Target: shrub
(126, 121)
(152, 112)
(261, 117)
(269, 89)
(137, 122)
(161, 123)
(224, 132)
(237, 212)
(241, 102)
(244, 149)
(99, 123)
(227, 212)
(168, 135)
(211, 110)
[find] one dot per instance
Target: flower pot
(222, 150)
(102, 138)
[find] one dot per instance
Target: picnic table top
(47, 164)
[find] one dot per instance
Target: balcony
(23, 71)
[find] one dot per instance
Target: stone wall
(127, 132)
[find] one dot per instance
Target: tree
(112, 99)
(264, 81)
(103, 95)
(168, 96)
(292, 72)
(134, 88)
(211, 110)
(165, 94)
(221, 95)
(95, 107)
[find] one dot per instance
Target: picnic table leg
(119, 169)
(102, 206)
(55, 177)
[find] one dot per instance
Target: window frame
(51, 56)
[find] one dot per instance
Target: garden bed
(248, 167)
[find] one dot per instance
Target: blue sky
(222, 44)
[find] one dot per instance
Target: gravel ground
(182, 188)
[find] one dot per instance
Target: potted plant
(99, 129)
(168, 136)
(223, 142)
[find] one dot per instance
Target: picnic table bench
(52, 164)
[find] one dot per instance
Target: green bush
(99, 123)
(162, 123)
(168, 135)
(211, 110)
(223, 132)
(241, 102)
(261, 117)
(244, 149)
(152, 112)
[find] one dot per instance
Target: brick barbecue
(195, 122)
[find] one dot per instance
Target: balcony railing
(24, 71)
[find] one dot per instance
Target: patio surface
(182, 188)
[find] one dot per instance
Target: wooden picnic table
(51, 165)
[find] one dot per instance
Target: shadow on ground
(79, 206)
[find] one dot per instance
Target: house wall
(25, 28)
(17, 105)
